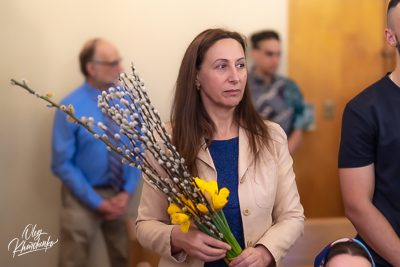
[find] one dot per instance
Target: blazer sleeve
(153, 225)
(288, 213)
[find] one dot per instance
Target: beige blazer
(271, 211)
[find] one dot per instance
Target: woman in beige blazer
(213, 104)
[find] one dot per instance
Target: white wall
(40, 41)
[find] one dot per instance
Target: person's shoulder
(75, 97)
(288, 80)
(369, 95)
(275, 131)
(74, 94)
(290, 84)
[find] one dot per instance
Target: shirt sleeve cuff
(95, 202)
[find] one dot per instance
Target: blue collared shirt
(78, 158)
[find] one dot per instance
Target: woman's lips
(232, 91)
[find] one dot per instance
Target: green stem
(222, 215)
(227, 261)
(220, 218)
(204, 229)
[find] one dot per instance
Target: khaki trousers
(78, 226)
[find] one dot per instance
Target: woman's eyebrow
(225, 60)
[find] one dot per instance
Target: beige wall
(40, 40)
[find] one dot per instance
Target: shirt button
(246, 212)
(249, 244)
(242, 180)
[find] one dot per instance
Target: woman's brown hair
(189, 119)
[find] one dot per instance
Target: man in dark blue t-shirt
(369, 165)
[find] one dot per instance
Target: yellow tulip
(203, 209)
(200, 183)
(220, 200)
(209, 197)
(182, 219)
(178, 217)
(210, 192)
(172, 209)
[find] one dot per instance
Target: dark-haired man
(275, 97)
(369, 158)
(97, 187)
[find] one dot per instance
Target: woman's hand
(198, 244)
(253, 257)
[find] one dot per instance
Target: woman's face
(222, 75)
(346, 260)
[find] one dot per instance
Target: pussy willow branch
(173, 165)
(148, 113)
(78, 121)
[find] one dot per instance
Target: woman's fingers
(206, 257)
(253, 257)
(211, 251)
(216, 243)
(247, 260)
(203, 247)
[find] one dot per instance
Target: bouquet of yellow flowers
(191, 199)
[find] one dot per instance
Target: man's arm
(63, 150)
(357, 186)
(294, 140)
(303, 115)
(63, 165)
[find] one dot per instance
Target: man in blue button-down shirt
(82, 163)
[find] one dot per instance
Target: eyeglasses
(112, 64)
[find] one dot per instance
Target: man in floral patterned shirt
(275, 97)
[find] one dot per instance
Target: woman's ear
(198, 84)
(390, 37)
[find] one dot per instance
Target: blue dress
(225, 154)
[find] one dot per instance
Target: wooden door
(336, 49)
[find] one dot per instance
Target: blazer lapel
(246, 157)
(205, 156)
